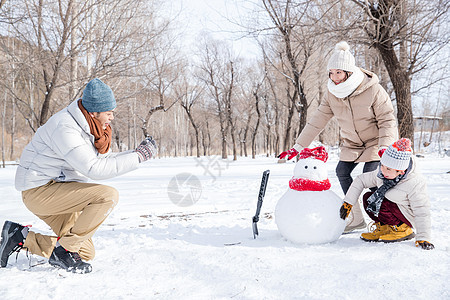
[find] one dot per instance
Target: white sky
(216, 17)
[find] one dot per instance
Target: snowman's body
(308, 212)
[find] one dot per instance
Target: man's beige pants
(73, 210)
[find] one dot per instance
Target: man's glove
(345, 210)
(290, 154)
(425, 245)
(147, 149)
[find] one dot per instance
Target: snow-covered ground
(152, 248)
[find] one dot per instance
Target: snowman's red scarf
(303, 184)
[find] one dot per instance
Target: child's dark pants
(389, 213)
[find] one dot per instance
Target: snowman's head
(311, 164)
(310, 168)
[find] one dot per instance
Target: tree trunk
(247, 127)
(402, 86)
(3, 129)
(229, 111)
(319, 100)
(191, 119)
(258, 114)
(298, 93)
(233, 139)
(287, 134)
(277, 128)
(31, 87)
(206, 139)
(223, 131)
(146, 121)
(13, 128)
(73, 55)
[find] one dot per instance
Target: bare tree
(258, 117)
(3, 129)
(244, 132)
(229, 107)
(269, 119)
(44, 41)
(217, 72)
(189, 96)
(53, 48)
(55, 36)
(405, 34)
(246, 113)
(275, 107)
(290, 19)
(206, 137)
(161, 85)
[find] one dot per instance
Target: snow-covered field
(152, 248)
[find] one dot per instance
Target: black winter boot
(70, 261)
(12, 241)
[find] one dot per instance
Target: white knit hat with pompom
(341, 58)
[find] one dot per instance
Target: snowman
(309, 212)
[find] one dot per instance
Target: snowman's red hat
(305, 184)
(318, 153)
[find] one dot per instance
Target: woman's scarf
(344, 89)
(102, 137)
(375, 200)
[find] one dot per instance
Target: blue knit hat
(98, 97)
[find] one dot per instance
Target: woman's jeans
(345, 168)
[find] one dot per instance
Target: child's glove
(147, 149)
(345, 210)
(425, 245)
(381, 151)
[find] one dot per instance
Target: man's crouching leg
(102, 201)
(74, 211)
(87, 250)
(77, 247)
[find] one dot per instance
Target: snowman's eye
(315, 167)
(306, 167)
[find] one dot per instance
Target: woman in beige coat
(365, 116)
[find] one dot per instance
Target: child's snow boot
(374, 235)
(397, 234)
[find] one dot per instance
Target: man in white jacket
(72, 147)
